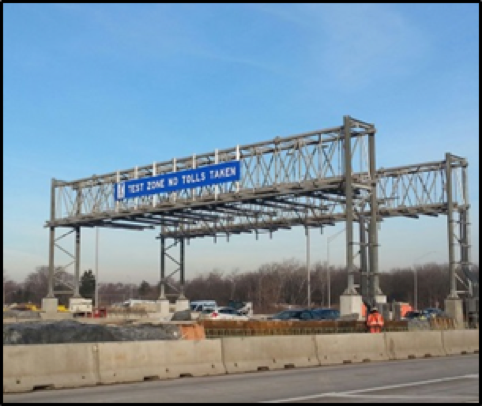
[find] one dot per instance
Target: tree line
(271, 285)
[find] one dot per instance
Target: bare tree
(269, 287)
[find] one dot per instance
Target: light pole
(307, 231)
(415, 278)
(96, 295)
(328, 272)
(131, 288)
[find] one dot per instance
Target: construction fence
(234, 328)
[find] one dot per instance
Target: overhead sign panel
(173, 181)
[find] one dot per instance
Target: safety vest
(375, 319)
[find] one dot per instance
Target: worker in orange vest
(375, 321)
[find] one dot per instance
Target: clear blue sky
(93, 88)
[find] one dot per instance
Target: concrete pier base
(350, 304)
(454, 309)
(182, 304)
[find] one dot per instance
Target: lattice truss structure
(299, 180)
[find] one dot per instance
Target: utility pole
(329, 239)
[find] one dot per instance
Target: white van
(200, 305)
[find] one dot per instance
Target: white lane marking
(418, 383)
(300, 398)
(415, 396)
(401, 385)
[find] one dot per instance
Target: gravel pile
(20, 314)
(70, 331)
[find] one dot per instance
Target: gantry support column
(78, 211)
(453, 304)
(364, 270)
(465, 243)
(464, 240)
(375, 293)
(182, 258)
(162, 302)
(162, 263)
(51, 262)
(50, 302)
(471, 305)
(182, 303)
(350, 300)
(450, 229)
(52, 241)
(350, 290)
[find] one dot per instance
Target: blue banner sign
(170, 182)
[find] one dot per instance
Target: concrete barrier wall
(27, 367)
(246, 354)
(194, 358)
(149, 360)
(347, 348)
(457, 342)
(415, 344)
(131, 361)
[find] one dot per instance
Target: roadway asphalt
(453, 379)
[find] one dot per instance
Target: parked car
(327, 314)
(245, 308)
(415, 315)
(432, 312)
(200, 305)
(222, 313)
(295, 314)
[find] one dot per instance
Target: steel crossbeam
(409, 191)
